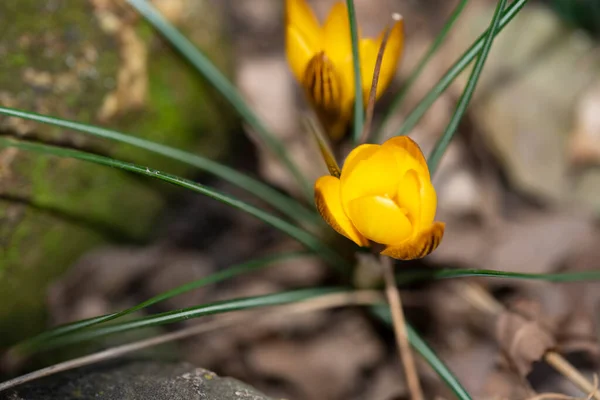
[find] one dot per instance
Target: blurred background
(519, 188)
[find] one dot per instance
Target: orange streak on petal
(303, 35)
(419, 245)
(298, 50)
(322, 85)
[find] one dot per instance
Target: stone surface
(527, 98)
(95, 62)
(139, 380)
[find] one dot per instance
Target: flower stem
(404, 350)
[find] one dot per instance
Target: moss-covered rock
(97, 62)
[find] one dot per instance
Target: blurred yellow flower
(384, 195)
(320, 58)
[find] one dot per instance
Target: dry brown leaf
(523, 340)
(578, 334)
(326, 366)
(503, 384)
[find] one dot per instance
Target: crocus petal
(299, 14)
(359, 153)
(329, 205)
(408, 154)
(303, 36)
(338, 47)
(409, 196)
(419, 245)
(392, 55)
(428, 202)
(375, 175)
(369, 49)
(336, 35)
(380, 219)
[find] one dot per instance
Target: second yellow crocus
(320, 58)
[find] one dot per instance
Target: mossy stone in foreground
(99, 63)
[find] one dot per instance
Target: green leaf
(280, 202)
(438, 365)
(455, 70)
(359, 117)
(39, 341)
(416, 72)
(212, 74)
(442, 144)
(170, 317)
(327, 154)
(413, 276)
(302, 236)
(383, 312)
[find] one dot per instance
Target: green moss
(175, 116)
(66, 206)
(58, 35)
(17, 60)
(36, 237)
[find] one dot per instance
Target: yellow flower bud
(384, 195)
(320, 58)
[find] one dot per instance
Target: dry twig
(404, 349)
(373, 92)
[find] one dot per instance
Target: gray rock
(139, 380)
(528, 97)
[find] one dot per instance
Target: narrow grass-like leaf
(279, 201)
(416, 72)
(455, 70)
(383, 312)
(170, 317)
(359, 117)
(442, 144)
(223, 85)
(413, 276)
(307, 239)
(38, 341)
(438, 365)
(315, 129)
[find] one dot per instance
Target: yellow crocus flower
(320, 58)
(384, 195)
